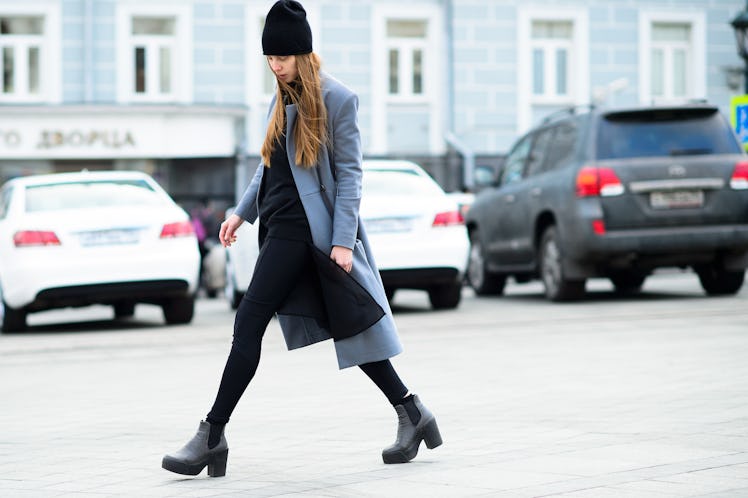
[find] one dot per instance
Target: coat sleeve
(247, 207)
(346, 150)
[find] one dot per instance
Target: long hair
(310, 128)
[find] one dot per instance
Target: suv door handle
(536, 192)
(509, 198)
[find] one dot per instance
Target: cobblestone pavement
(611, 397)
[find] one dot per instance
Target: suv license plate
(677, 199)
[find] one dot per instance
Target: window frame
(181, 53)
(696, 63)
(578, 88)
(50, 52)
(550, 48)
(431, 66)
(408, 46)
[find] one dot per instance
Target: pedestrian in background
(315, 268)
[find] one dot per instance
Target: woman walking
(315, 269)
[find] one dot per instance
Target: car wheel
(719, 282)
(234, 295)
(390, 293)
(444, 297)
(557, 286)
(628, 283)
(124, 310)
(13, 320)
(483, 282)
(179, 310)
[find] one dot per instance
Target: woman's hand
(343, 257)
(227, 234)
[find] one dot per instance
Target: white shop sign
(127, 136)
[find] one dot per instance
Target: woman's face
(284, 67)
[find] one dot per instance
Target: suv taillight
(28, 238)
(178, 229)
(739, 180)
(448, 218)
(593, 181)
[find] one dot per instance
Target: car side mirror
(484, 176)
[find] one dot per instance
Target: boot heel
(431, 435)
(217, 466)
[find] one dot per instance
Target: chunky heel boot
(415, 423)
(194, 456)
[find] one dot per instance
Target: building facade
(180, 89)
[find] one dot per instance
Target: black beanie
(286, 30)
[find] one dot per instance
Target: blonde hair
(310, 127)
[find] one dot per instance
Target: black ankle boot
(192, 458)
(415, 423)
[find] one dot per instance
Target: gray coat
(343, 228)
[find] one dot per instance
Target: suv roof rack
(567, 111)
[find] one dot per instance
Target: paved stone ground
(639, 397)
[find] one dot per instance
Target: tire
(445, 297)
(179, 310)
(232, 293)
(628, 283)
(124, 309)
(13, 320)
(482, 281)
(557, 286)
(390, 293)
(720, 282)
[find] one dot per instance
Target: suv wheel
(483, 282)
(557, 286)
(11, 320)
(628, 282)
(124, 309)
(720, 282)
(179, 310)
(444, 297)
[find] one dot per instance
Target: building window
(152, 45)
(672, 56)
(21, 44)
(670, 60)
(551, 45)
(154, 52)
(406, 51)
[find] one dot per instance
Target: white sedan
(109, 237)
(416, 231)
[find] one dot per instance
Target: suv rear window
(664, 132)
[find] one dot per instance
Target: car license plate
(677, 199)
(109, 237)
(388, 225)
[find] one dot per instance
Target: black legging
(279, 266)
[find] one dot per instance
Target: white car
(416, 231)
(241, 257)
(108, 237)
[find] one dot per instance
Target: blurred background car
(240, 259)
(108, 237)
(615, 194)
(416, 231)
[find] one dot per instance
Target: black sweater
(281, 211)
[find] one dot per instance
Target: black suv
(615, 194)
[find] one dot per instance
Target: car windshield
(90, 194)
(398, 183)
(668, 132)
